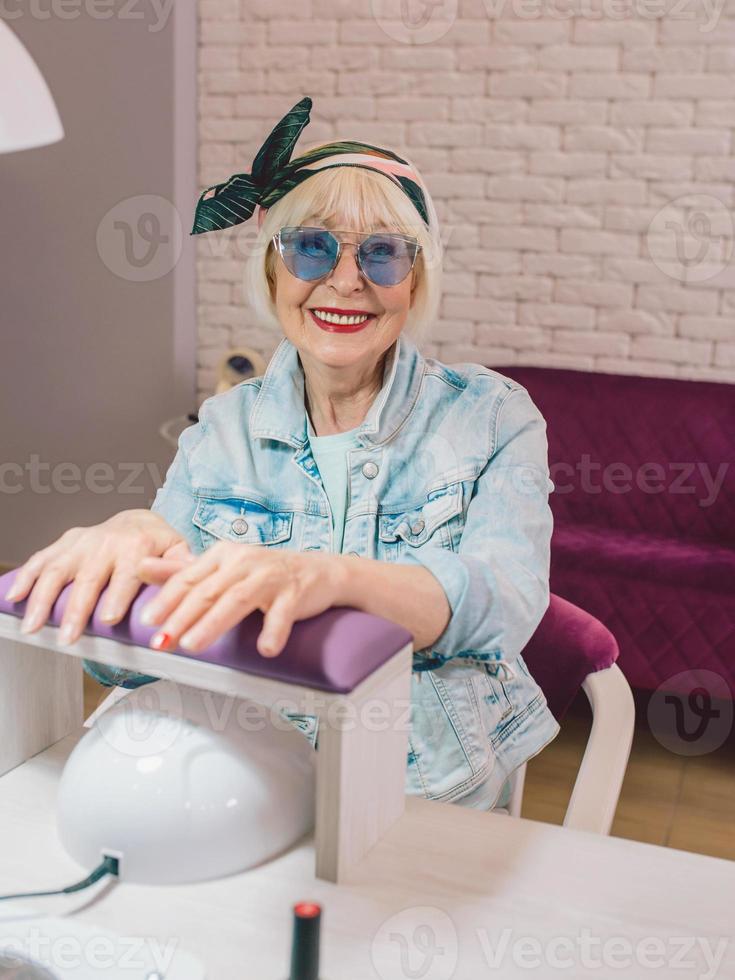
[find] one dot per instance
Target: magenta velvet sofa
(644, 511)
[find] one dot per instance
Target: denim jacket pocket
(450, 751)
(240, 519)
(508, 696)
(437, 519)
(495, 696)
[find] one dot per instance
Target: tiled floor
(667, 799)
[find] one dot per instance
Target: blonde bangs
(351, 197)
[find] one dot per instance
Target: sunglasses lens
(308, 253)
(311, 253)
(387, 259)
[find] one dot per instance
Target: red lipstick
(334, 309)
(342, 327)
(305, 941)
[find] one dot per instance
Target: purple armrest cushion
(334, 651)
(568, 645)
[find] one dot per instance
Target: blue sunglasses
(385, 258)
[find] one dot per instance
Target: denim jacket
(451, 474)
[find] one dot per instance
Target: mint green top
(330, 453)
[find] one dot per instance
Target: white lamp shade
(28, 115)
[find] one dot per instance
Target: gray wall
(92, 361)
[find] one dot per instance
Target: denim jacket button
(239, 526)
(418, 526)
(370, 470)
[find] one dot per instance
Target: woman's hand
(222, 586)
(90, 556)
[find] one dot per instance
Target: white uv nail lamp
(186, 785)
(199, 774)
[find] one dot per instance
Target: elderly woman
(354, 472)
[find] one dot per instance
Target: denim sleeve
(497, 583)
(175, 503)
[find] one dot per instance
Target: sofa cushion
(645, 557)
(567, 645)
(653, 455)
(661, 629)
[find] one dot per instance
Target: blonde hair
(367, 200)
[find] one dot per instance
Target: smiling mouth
(345, 323)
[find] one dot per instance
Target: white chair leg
(597, 787)
(600, 778)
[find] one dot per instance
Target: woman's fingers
(178, 587)
(26, 576)
(88, 584)
(124, 584)
(156, 571)
(232, 559)
(202, 629)
(92, 557)
(277, 625)
(195, 630)
(119, 594)
(56, 554)
(179, 552)
(198, 603)
(48, 585)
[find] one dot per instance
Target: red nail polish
(161, 641)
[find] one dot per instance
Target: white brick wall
(562, 155)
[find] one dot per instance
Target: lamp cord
(110, 866)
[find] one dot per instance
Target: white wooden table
(446, 888)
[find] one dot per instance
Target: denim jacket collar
(279, 410)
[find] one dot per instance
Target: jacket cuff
(477, 630)
(110, 676)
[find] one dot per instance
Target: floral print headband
(274, 174)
